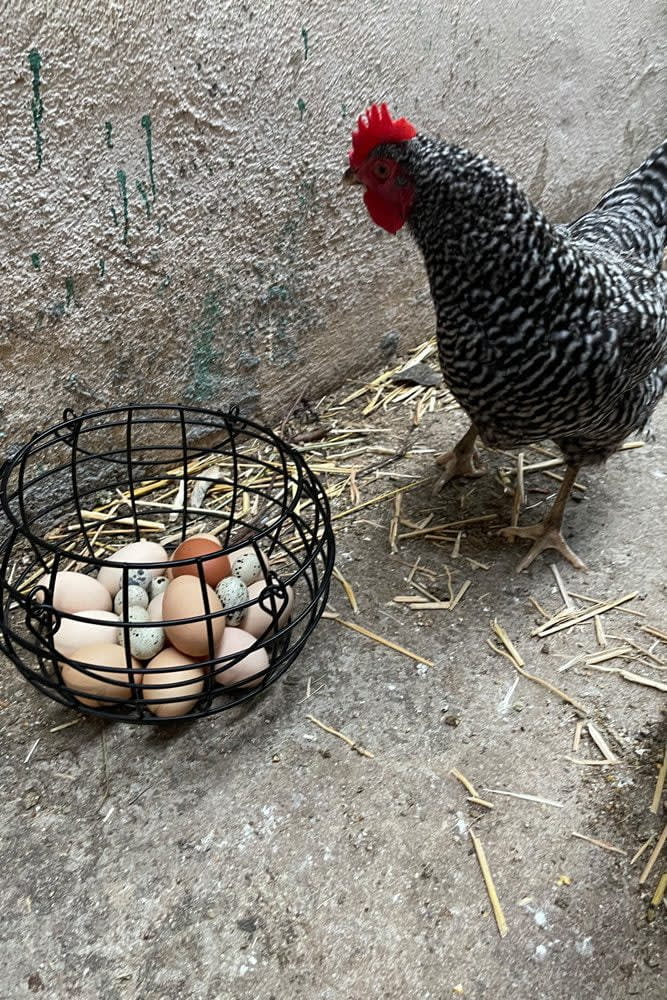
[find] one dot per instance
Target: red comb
(374, 127)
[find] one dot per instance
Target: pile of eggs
(181, 617)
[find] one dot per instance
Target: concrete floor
(255, 856)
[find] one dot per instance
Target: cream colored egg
(74, 632)
(138, 554)
(155, 608)
(75, 592)
(184, 598)
(259, 619)
(93, 688)
(169, 677)
(233, 642)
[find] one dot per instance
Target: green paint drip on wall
(102, 266)
(301, 105)
(304, 35)
(203, 354)
(35, 61)
(146, 124)
(69, 292)
(108, 128)
(36, 261)
(122, 184)
(141, 188)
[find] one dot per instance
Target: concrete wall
(171, 221)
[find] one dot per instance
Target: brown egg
(172, 668)
(234, 641)
(76, 592)
(257, 621)
(101, 683)
(201, 545)
(184, 598)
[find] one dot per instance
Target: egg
(136, 598)
(231, 592)
(172, 668)
(259, 618)
(155, 608)
(184, 598)
(74, 632)
(102, 683)
(234, 641)
(248, 566)
(145, 640)
(75, 592)
(140, 553)
(194, 547)
(158, 586)
(140, 577)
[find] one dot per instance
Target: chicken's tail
(632, 217)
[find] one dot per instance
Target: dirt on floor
(257, 855)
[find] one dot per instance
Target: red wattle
(383, 212)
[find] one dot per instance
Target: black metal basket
(98, 481)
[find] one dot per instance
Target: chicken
(543, 331)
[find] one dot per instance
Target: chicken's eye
(381, 171)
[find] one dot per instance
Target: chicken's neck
(488, 252)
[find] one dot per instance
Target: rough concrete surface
(254, 856)
(171, 219)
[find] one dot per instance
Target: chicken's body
(543, 331)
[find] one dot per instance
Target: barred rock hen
(544, 331)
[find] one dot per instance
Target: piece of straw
(510, 652)
(628, 675)
(378, 638)
(490, 887)
(658, 896)
(659, 785)
(347, 587)
(597, 738)
(341, 736)
(599, 843)
(640, 851)
(526, 797)
(654, 856)
(578, 617)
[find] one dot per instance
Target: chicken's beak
(350, 177)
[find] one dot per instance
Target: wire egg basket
(89, 487)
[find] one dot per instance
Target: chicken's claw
(546, 536)
(456, 463)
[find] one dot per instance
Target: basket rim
(224, 418)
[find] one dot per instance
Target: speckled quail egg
(136, 598)
(232, 592)
(158, 586)
(146, 640)
(246, 566)
(140, 577)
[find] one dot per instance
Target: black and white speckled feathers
(543, 331)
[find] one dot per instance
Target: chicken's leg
(547, 534)
(459, 461)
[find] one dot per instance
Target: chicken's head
(389, 187)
